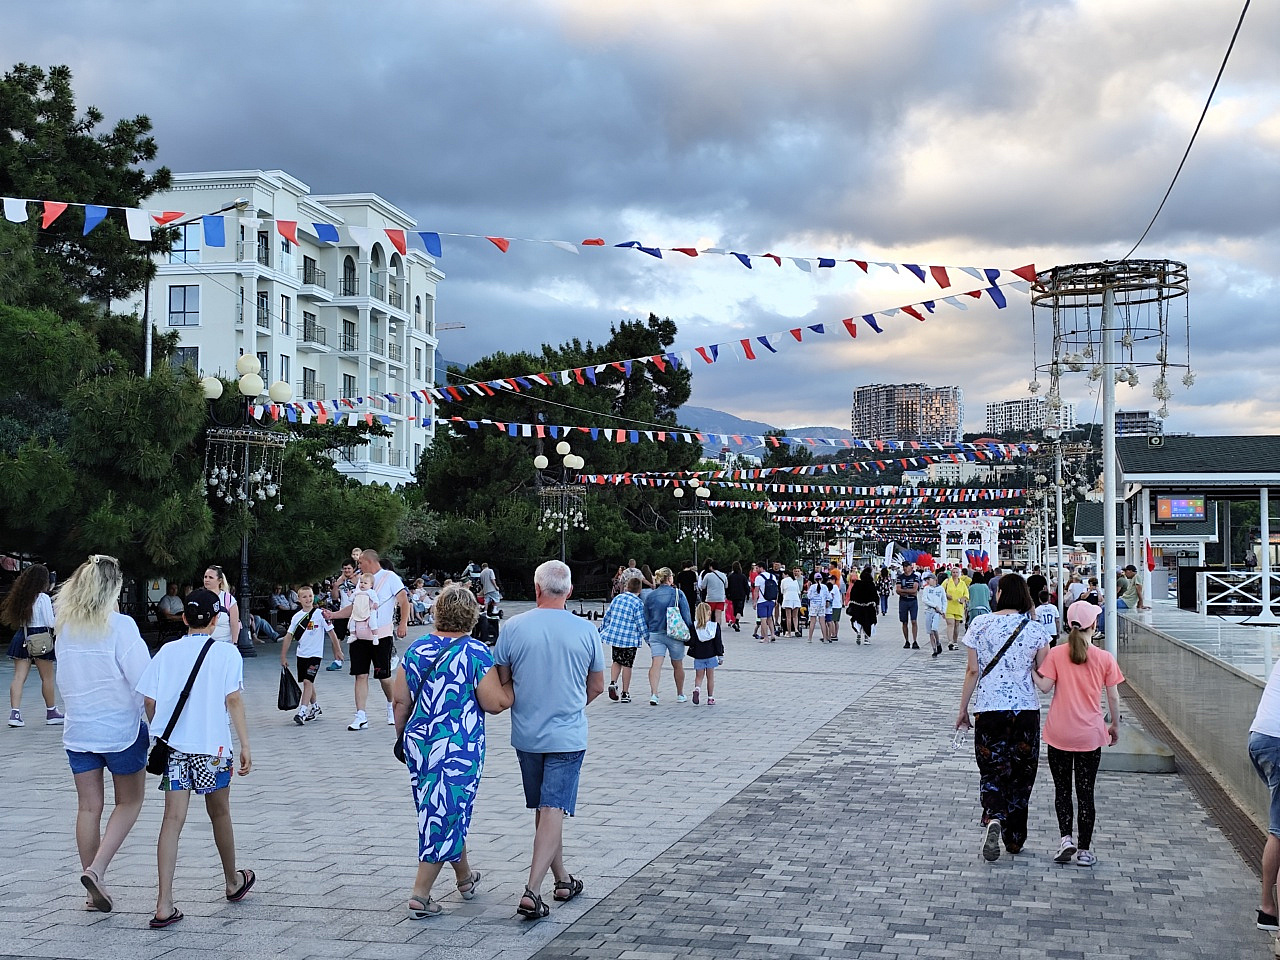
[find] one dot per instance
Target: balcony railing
(313, 390)
(395, 352)
(264, 255)
(312, 332)
(377, 455)
(349, 341)
(395, 458)
(377, 290)
(378, 346)
(264, 317)
(313, 276)
(396, 299)
(350, 286)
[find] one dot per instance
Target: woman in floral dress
(442, 691)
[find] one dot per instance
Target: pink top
(1075, 720)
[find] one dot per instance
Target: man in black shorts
(907, 587)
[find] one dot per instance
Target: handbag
(158, 759)
(290, 693)
(39, 642)
(677, 629)
(397, 748)
(1005, 649)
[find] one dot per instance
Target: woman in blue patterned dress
(442, 691)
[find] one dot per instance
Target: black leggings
(1085, 764)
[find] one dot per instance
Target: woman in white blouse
(101, 658)
(227, 628)
(28, 610)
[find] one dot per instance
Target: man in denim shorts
(555, 661)
(1264, 751)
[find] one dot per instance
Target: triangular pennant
(566, 246)
(397, 240)
(802, 264)
(93, 215)
(362, 237)
(288, 229)
(1027, 273)
(743, 259)
(15, 211)
(138, 222)
(940, 277)
(593, 242)
(502, 243)
(871, 322)
(53, 209)
(851, 326)
(917, 270)
(167, 217)
(326, 232)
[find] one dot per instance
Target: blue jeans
(1264, 751)
(551, 779)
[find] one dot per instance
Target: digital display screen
(1173, 509)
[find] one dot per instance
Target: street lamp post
(561, 500)
(244, 464)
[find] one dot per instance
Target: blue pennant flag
(871, 322)
(916, 269)
(215, 231)
(767, 345)
(473, 425)
(826, 262)
(928, 305)
(554, 431)
(595, 433)
(997, 295)
(512, 430)
(992, 275)
(626, 365)
(432, 242)
(674, 361)
(290, 415)
(326, 232)
(589, 373)
(818, 327)
(633, 436)
(651, 251)
(93, 215)
(524, 382)
(743, 259)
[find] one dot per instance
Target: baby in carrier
(363, 604)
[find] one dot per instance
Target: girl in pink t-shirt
(1075, 729)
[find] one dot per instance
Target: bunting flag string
(431, 241)
(951, 494)
(922, 526)
(886, 507)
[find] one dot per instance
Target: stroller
(487, 627)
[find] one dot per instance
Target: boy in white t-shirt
(308, 627)
(1047, 614)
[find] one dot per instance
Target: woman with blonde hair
(102, 659)
(444, 687)
(228, 627)
(28, 610)
(1075, 729)
(661, 644)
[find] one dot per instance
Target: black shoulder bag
(158, 759)
(1005, 649)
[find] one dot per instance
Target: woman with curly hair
(103, 658)
(28, 610)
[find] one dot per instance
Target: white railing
(1222, 594)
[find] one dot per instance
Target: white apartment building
(948, 473)
(345, 319)
(1138, 423)
(908, 411)
(1028, 413)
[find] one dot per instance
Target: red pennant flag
(53, 209)
(397, 240)
(368, 418)
(702, 352)
(850, 326)
(912, 311)
(289, 230)
(860, 263)
(593, 242)
(502, 243)
(976, 294)
(167, 217)
(488, 390)
(796, 333)
(746, 349)
(540, 430)
(322, 415)
(687, 251)
(774, 257)
(658, 361)
(940, 277)
(512, 384)
(1027, 273)
(577, 375)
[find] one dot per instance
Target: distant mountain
(708, 420)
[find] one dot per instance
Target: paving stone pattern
(817, 809)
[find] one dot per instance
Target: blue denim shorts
(122, 763)
(1264, 751)
(551, 779)
(661, 645)
(710, 663)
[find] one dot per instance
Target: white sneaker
(1066, 850)
(391, 715)
(360, 722)
(1085, 858)
(681, 698)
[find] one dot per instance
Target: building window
(417, 456)
(264, 249)
(309, 384)
(417, 363)
(348, 385)
(350, 285)
(349, 339)
(284, 368)
(286, 313)
(186, 357)
(186, 249)
(264, 366)
(184, 306)
(240, 308)
(264, 309)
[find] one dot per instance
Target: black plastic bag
(290, 692)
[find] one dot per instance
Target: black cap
(201, 607)
(1132, 567)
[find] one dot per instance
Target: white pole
(146, 328)
(1107, 562)
(1147, 575)
(1264, 561)
(1057, 483)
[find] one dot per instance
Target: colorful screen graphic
(1179, 508)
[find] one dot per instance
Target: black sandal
(538, 911)
(573, 885)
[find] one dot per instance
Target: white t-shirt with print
(311, 643)
(1009, 685)
(222, 629)
(97, 675)
(386, 587)
(204, 727)
(1047, 614)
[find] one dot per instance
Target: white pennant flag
(803, 264)
(139, 223)
(15, 211)
(361, 236)
(955, 302)
(564, 245)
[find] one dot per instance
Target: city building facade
(1028, 413)
(908, 411)
(1138, 423)
(335, 319)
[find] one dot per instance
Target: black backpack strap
(1005, 649)
(186, 692)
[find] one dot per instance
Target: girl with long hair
(228, 627)
(102, 659)
(1075, 729)
(28, 610)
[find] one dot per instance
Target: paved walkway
(818, 809)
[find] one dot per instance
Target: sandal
(157, 924)
(573, 885)
(420, 908)
(98, 896)
(538, 911)
(468, 887)
(249, 879)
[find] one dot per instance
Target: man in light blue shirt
(556, 665)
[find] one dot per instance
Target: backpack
(770, 587)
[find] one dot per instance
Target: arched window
(417, 313)
(350, 286)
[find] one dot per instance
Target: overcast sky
(961, 132)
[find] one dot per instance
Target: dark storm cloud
(975, 132)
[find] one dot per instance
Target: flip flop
(249, 878)
(93, 883)
(157, 924)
